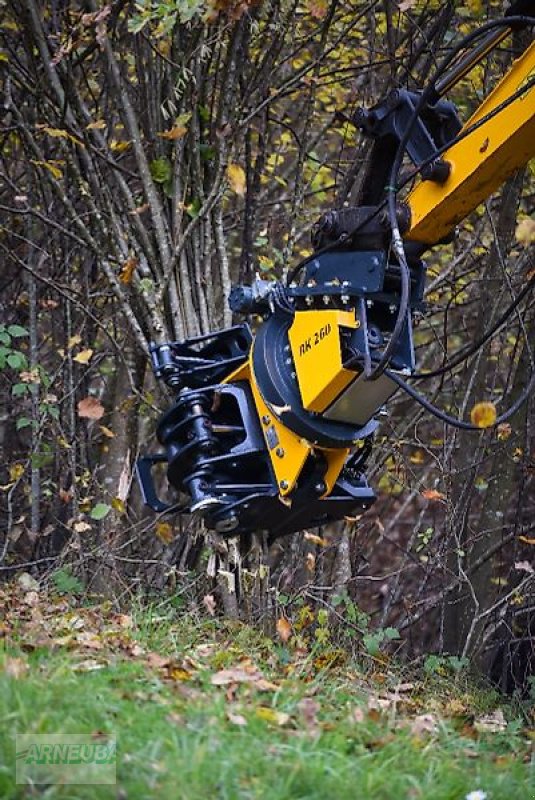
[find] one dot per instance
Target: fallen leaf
(158, 661)
(236, 178)
(84, 356)
(424, 723)
(357, 715)
(26, 582)
(284, 629)
(526, 540)
(406, 5)
(90, 408)
(483, 415)
(236, 719)
(15, 667)
(524, 566)
(272, 716)
(81, 527)
(494, 722)
(209, 603)
(225, 677)
(88, 665)
(308, 708)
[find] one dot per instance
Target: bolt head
(279, 452)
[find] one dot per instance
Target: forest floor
(204, 709)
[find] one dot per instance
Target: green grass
(309, 734)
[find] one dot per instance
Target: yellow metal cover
(315, 343)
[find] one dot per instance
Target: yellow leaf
(118, 505)
(417, 457)
(58, 133)
(164, 531)
(16, 471)
(483, 415)
(272, 715)
(315, 539)
(176, 132)
(51, 167)
(98, 125)
(84, 356)
(73, 341)
(284, 629)
(527, 539)
(127, 270)
(119, 147)
(236, 178)
(107, 432)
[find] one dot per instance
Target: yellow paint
(293, 449)
(315, 343)
(483, 160)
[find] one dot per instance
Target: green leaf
(16, 360)
(161, 170)
(19, 389)
(100, 511)
(23, 422)
(5, 338)
(17, 331)
(392, 633)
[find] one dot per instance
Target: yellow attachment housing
(287, 451)
(315, 343)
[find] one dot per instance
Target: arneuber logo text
(65, 758)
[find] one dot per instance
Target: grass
(205, 710)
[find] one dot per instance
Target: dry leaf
(284, 629)
(483, 415)
(406, 5)
(157, 661)
(524, 566)
(73, 341)
(90, 408)
(357, 715)
(15, 667)
(309, 708)
(98, 125)
(127, 270)
(84, 356)
(164, 531)
(432, 494)
(272, 715)
(81, 527)
(424, 723)
(504, 431)
(526, 540)
(209, 603)
(236, 719)
(494, 722)
(236, 178)
(525, 231)
(315, 539)
(107, 432)
(176, 132)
